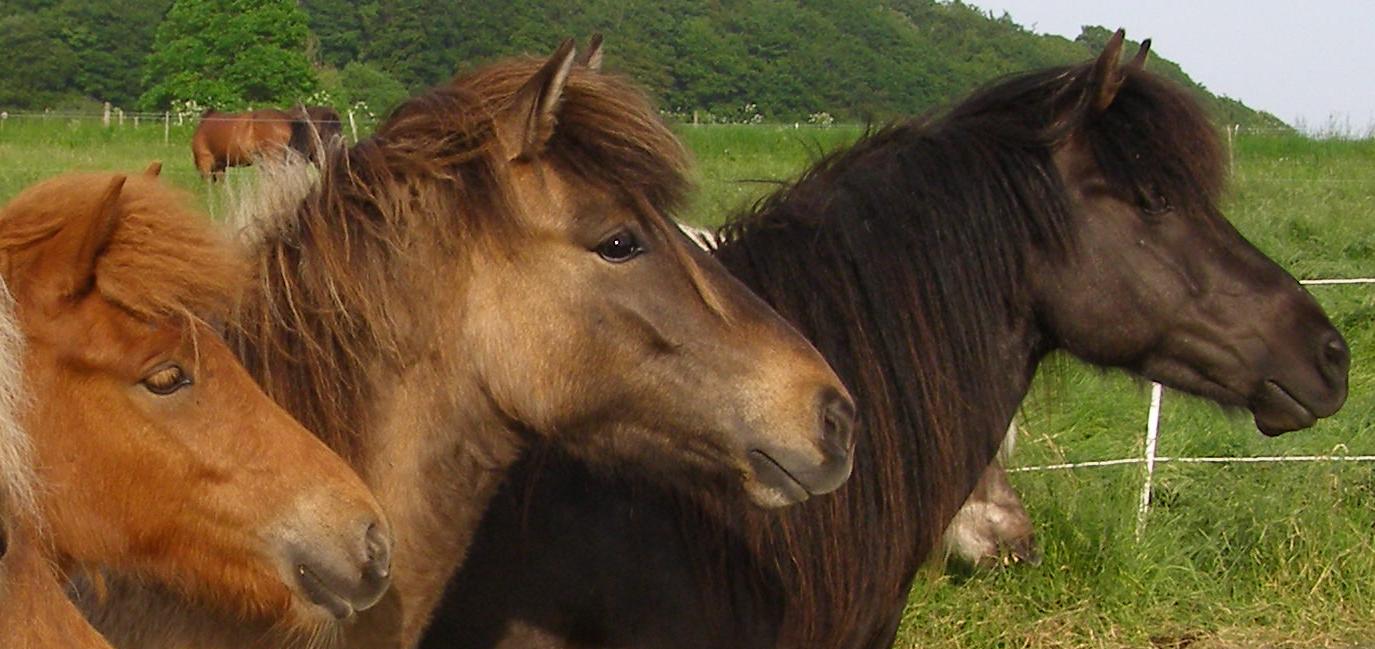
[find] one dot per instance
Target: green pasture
(1233, 555)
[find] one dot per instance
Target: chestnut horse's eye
(620, 247)
(166, 380)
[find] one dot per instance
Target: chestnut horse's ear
(592, 58)
(528, 123)
(80, 243)
(154, 169)
(1143, 53)
(1107, 79)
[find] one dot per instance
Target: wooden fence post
(167, 128)
(105, 116)
(353, 126)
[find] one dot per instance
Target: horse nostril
(1336, 355)
(837, 423)
(378, 544)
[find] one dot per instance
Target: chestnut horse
(496, 269)
(225, 140)
(160, 459)
(35, 612)
(935, 263)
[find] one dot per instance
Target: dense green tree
(229, 54)
(39, 66)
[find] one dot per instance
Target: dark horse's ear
(79, 244)
(528, 123)
(1139, 61)
(154, 169)
(592, 58)
(1107, 78)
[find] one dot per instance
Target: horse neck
(433, 452)
(35, 606)
(435, 496)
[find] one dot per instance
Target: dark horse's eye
(619, 247)
(166, 380)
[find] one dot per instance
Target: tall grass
(1233, 554)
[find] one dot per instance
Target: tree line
(715, 60)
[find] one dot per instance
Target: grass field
(1233, 555)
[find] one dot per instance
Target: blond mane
(16, 456)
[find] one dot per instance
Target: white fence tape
(1153, 434)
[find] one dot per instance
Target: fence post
(353, 127)
(1152, 434)
(1232, 131)
(105, 116)
(135, 120)
(167, 128)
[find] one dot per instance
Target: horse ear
(1139, 61)
(528, 123)
(592, 58)
(1107, 79)
(154, 169)
(81, 242)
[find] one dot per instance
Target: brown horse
(495, 269)
(159, 458)
(225, 140)
(35, 612)
(935, 263)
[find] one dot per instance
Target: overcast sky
(1309, 61)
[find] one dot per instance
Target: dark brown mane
(434, 176)
(902, 259)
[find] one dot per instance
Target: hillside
(725, 60)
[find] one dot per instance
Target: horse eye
(620, 247)
(166, 380)
(1157, 208)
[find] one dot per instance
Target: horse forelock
(433, 175)
(163, 258)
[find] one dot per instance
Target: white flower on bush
(822, 119)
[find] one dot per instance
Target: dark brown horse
(313, 130)
(935, 263)
(496, 268)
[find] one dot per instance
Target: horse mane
(432, 177)
(17, 498)
(903, 260)
(164, 259)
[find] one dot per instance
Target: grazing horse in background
(992, 527)
(496, 269)
(160, 459)
(224, 140)
(313, 129)
(935, 263)
(35, 612)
